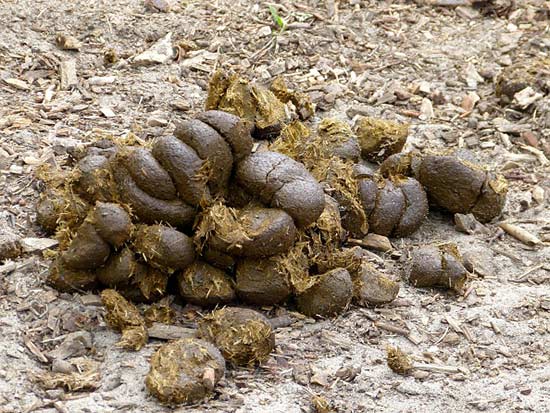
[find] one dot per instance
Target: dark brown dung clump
(437, 266)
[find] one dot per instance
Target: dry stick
(523, 276)
(164, 331)
(436, 368)
(519, 233)
(170, 332)
(392, 328)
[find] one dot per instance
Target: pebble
(264, 31)
(62, 366)
(10, 244)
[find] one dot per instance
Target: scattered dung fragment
(147, 208)
(452, 180)
(452, 183)
(159, 313)
(327, 167)
(185, 371)
(147, 172)
(402, 163)
(126, 318)
(164, 247)
(398, 361)
(135, 280)
(380, 138)
(257, 105)
(87, 377)
(205, 285)
(244, 336)
(211, 147)
(328, 296)
(260, 282)
(147, 285)
(338, 137)
(302, 101)
(437, 266)
(372, 287)
(188, 171)
(523, 74)
(119, 269)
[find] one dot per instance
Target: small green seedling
(279, 21)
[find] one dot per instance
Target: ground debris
(125, 317)
(87, 377)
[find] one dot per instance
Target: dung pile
(201, 212)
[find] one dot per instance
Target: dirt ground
(391, 59)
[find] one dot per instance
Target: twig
(169, 332)
(520, 234)
(523, 276)
(392, 328)
(436, 368)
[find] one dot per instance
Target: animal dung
(244, 336)
(437, 266)
(184, 371)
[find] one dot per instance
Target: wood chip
(37, 244)
(17, 83)
(67, 73)
(33, 348)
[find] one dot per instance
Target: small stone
(75, 344)
(62, 366)
(475, 263)
(468, 224)
(264, 31)
(526, 97)
(411, 388)
(377, 242)
(530, 138)
(101, 80)
(67, 42)
(157, 121)
(107, 112)
(373, 287)
(160, 53)
(471, 141)
(163, 6)
(16, 169)
(525, 390)
(426, 109)
(91, 300)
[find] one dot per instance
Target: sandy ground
(353, 58)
